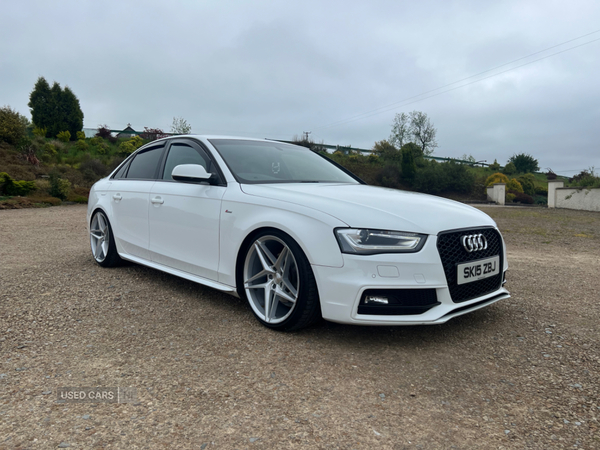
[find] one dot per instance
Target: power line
(386, 108)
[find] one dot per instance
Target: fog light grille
(400, 302)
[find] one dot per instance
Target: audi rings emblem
(474, 242)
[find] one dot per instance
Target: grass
(551, 224)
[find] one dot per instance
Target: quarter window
(121, 171)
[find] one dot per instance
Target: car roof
(217, 136)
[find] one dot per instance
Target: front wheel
(278, 282)
(102, 241)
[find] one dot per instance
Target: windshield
(275, 162)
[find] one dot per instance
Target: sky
(340, 70)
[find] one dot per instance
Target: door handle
(117, 197)
(157, 201)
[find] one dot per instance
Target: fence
(572, 198)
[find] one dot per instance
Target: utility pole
(305, 133)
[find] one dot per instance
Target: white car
(295, 234)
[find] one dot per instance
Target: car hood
(376, 207)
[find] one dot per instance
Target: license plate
(478, 270)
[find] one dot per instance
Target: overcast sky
(339, 69)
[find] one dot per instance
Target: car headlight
(363, 241)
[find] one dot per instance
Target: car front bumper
(341, 289)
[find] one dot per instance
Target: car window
(121, 172)
(184, 154)
(145, 164)
(277, 162)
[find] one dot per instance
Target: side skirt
(179, 273)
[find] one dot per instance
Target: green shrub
(82, 146)
(59, 188)
(64, 136)
(13, 126)
(102, 148)
(115, 162)
(495, 167)
(96, 140)
(388, 176)
(409, 168)
(541, 200)
(514, 185)
(39, 132)
(42, 187)
(60, 146)
(460, 178)
(78, 199)
(373, 158)
(93, 170)
(510, 197)
(46, 199)
(436, 178)
(10, 187)
(80, 135)
(131, 145)
(49, 148)
(586, 179)
(541, 190)
(510, 169)
(528, 183)
(496, 178)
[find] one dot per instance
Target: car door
(129, 196)
(184, 217)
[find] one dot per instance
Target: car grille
(453, 253)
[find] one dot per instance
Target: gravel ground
(523, 373)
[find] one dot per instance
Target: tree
(414, 149)
(180, 126)
(423, 132)
(386, 151)
(73, 116)
(524, 163)
(409, 167)
(401, 130)
(510, 169)
(13, 126)
(55, 109)
(414, 127)
(41, 104)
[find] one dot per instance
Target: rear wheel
(102, 241)
(278, 282)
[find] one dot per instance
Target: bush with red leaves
(152, 134)
(520, 197)
(103, 132)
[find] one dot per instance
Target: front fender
(311, 229)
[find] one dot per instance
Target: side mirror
(191, 173)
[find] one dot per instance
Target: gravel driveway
(523, 373)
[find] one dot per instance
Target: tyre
(278, 282)
(102, 241)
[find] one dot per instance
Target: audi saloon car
(295, 235)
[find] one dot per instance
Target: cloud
(275, 69)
